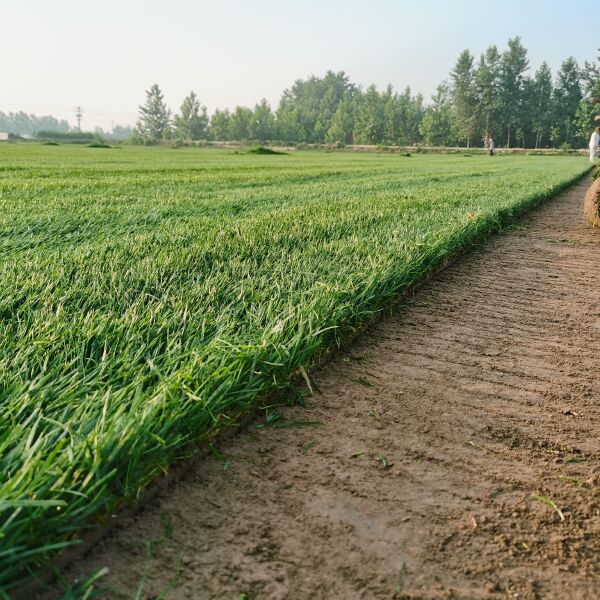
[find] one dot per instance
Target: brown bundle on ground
(592, 202)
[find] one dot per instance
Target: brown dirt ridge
(455, 454)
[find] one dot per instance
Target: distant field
(149, 296)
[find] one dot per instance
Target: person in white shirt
(594, 143)
(491, 146)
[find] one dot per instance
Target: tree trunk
(508, 137)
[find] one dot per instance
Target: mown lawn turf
(149, 296)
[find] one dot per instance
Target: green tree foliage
(436, 127)
(21, 123)
(119, 132)
(586, 111)
(465, 101)
(262, 126)
(410, 112)
(513, 65)
(487, 85)
(219, 125)
(387, 117)
(493, 95)
(567, 97)
(240, 124)
(369, 124)
(541, 107)
(391, 116)
(342, 123)
(192, 121)
(154, 122)
(306, 110)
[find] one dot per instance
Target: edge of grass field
(30, 582)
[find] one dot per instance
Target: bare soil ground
(449, 429)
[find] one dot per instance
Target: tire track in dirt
(481, 393)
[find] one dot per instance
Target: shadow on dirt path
(458, 457)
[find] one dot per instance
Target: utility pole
(78, 115)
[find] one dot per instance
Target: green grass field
(150, 296)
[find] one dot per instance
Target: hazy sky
(103, 54)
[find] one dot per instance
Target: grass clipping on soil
(591, 203)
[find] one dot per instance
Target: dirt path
(481, 394)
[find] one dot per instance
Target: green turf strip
(149, 296)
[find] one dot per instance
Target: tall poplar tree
(219, 125)
(568, 95)
(154, 122)
(464, 96)
(369, 123)
(262, 125)
(541, 102)
(513, 65)
(436, 125)
(487, 85)
(192, 121)
(586, 111)
(342, 122)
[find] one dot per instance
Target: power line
(78, 115)
(43, 109)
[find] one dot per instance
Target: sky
(103, 54)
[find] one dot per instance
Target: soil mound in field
(591, 204)
(263, 150)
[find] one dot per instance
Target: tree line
(30, 125)
(22, 123)
(494, 95)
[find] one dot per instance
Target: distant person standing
(491, 146)
(594, 143)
